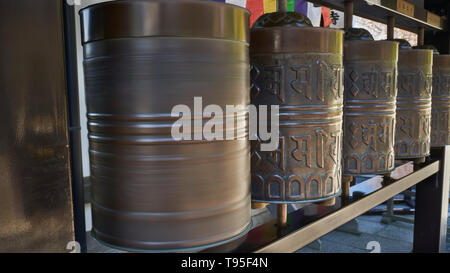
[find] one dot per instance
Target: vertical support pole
(282, 5)
(388, 216)
(390, 27)
(346, 180)
(70, 50)
(420, 36)
(418, 163)
(282, 215)
(348, 14)
(430, 223)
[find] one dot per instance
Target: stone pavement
(396, 237)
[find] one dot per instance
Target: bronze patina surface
(413, 114)
(369, 106)
(151, 192)
(300, 69)
(440, 125)
(36, 204)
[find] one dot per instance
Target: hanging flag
(337, 19)
(314, 14)
(256, 8)
(301, 6)
(259, 7)
(240, 3)
(270, 6)
(326, 17)
(290, 5)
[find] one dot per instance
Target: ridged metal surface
(151, 192)
(304, 77)
(413, 114)
(369, 106)
(440, 124)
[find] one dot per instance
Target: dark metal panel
(430, 222)
(35, 191)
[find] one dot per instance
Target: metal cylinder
(141, 58)
(369, 106)
(440, 124)
(299, 68)
(413, 114)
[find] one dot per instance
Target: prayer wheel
(413, 114)
(369, 105)
(150, 190)
(299, 69)
(440, 125)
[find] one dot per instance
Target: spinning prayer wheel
(151, 191)
(440, 125)
(412, 133)
(298, 68)
(369, 105)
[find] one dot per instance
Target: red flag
(257, 9)
(326, 17)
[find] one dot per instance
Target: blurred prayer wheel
(299, 68)
(369, 105)
(440, 125)
(413, 114)
(150, 191)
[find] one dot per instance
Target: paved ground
(396, 237)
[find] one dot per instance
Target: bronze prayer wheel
(150, 191)
(413, 114)
(369, 106)
(440, 125)
(299, 68)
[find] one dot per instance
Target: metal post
(430, 225)
(346, 180)
(74, 124)
(282, 5)
(390, 27)
(389, 215)
(348, 14)
(418, 163)
(282, 215)
(420, 36)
